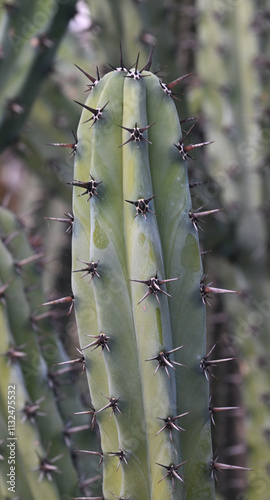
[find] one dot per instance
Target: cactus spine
(135, 257)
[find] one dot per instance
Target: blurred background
(225, 44)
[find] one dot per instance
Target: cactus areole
(139, 288)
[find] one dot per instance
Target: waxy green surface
(137, 248)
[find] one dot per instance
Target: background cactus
(30, 37)
(29, 353)
(230, 99)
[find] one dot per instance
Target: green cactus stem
(230, 97)
(30, 38)
(30, 349)
(143, 295)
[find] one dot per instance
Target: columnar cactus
(136, 278)
(230, 97)
(29, 37)
(45, 427)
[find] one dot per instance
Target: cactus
(45, 427)
(30, 35)
(28, 445)
(229, 97)
(136, 277)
